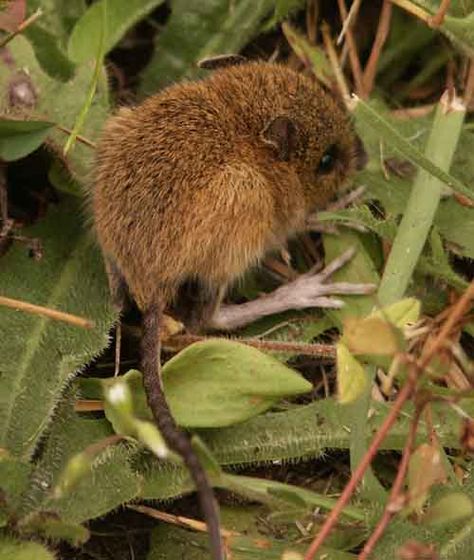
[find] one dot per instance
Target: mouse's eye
(328, 160)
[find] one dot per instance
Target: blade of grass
(412, 235)
(93, 85)
(368, 116)
(423, 202)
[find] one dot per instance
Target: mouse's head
(315, 136)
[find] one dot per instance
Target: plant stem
(423, 202)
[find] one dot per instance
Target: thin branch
(179, 520)
(180, 341)
(353, 55)
(79, 137)
(46, 312)
(23, 25)
(336, 68)
(379, 41)
(358, 474)
(438, 18)
(353, 11)
(396, 494)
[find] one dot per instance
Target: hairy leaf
(40, 355)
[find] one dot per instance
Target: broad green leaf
(219, 382)
(121, 16)
(11, 549)
(39, 355)
(14, 478)
(352, 379)
(196, 30)
(20, 138)
(59, 16)
(449, 509)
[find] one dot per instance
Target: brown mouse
(198, 183)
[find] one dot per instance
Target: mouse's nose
(361, 155)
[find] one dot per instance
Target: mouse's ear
(221, 61)
(281, 133)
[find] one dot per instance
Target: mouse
(198, 183)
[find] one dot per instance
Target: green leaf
(121, 16)
(196, 30)
(351, 377)
(14, 479)
(59, 102)
(368, 115)
(451, 508)
(401, 313)
(39, 355)
(50, 527)
(51, 57)
(258, 488)
(20, 138)
(16, 550)
(372, 335)
(110, 479)
(220, 382)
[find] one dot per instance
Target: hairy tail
(177, 440)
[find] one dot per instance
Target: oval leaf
(20, 138)
(351, 377)
(221, 382)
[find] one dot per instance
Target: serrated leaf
(50, 527)
(352, 379)
(449, 509)
(39, 355)
(20, 138)
(121, 16)
(110, 480)
(11, 549)
(196, 30)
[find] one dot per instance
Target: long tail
(177, 440)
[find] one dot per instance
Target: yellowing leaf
(424, 470)
(371, 335)
(400, 313)
(351, 377)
